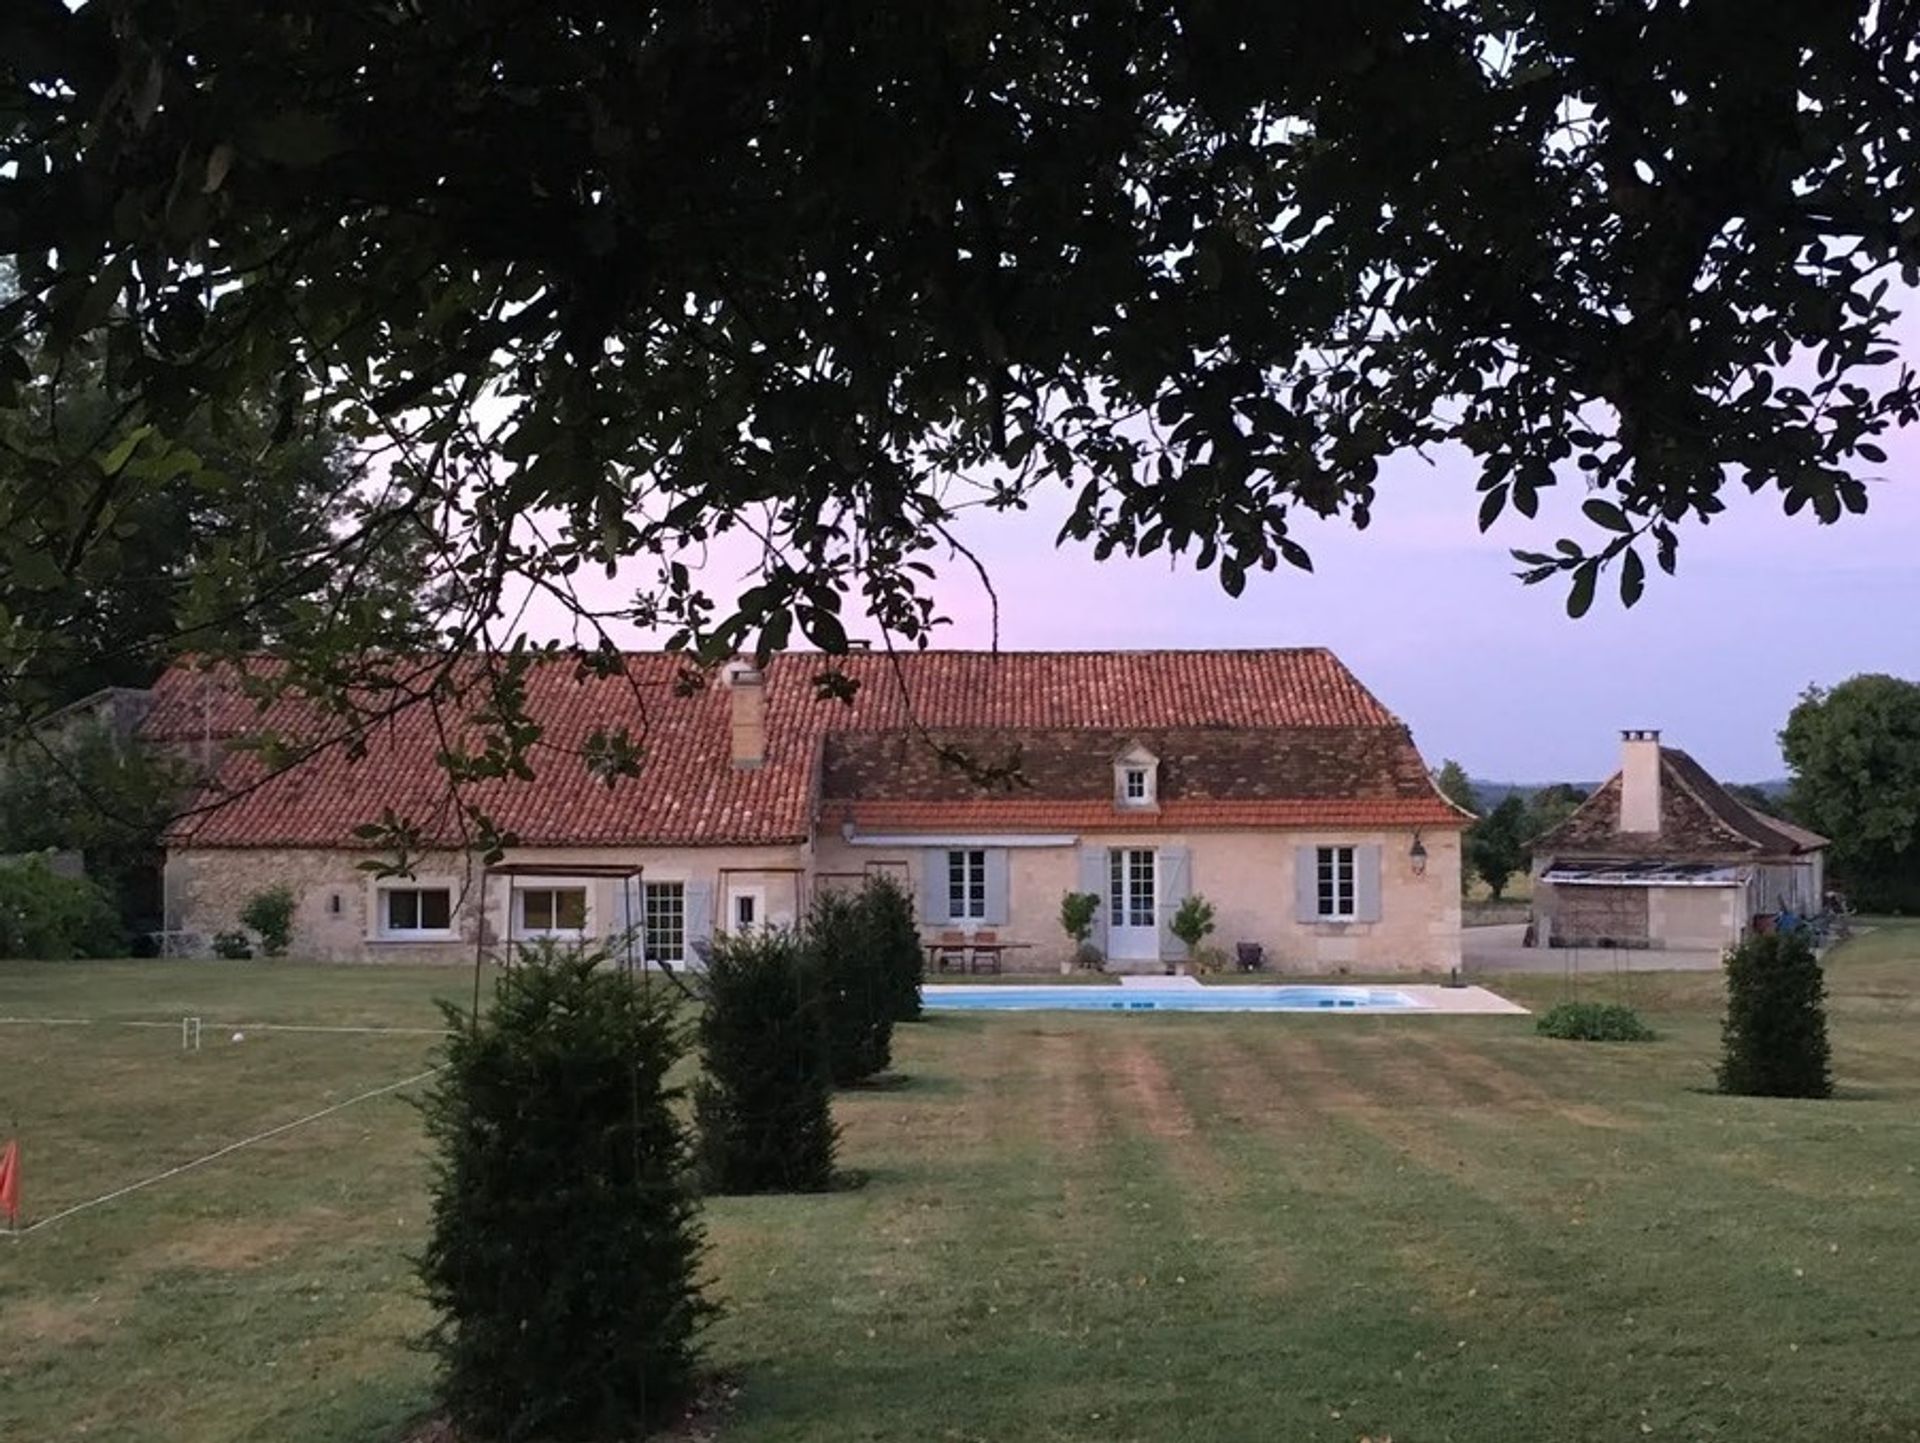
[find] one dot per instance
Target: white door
(746, 909)
(1133, 926)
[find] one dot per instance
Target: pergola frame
(630, 876)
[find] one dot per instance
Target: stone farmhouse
(989, 784)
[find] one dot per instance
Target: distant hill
(1491, 794)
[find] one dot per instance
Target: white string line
(35, 1227)
(237, 1026)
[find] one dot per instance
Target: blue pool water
(1172, 999)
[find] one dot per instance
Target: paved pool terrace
(1189, 994)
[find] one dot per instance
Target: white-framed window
(967, 885)
(556, 910)
(1337, 890)
(1133, 784)
(663, 921)
(413, 912)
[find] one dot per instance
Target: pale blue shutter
(996, 887)
(933, 888)
(1306, 884)
(1366, 883)
(1094, 879)
(699, 918)
(1173, 880)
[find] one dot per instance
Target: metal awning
(1644, 874)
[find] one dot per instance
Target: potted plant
(1192, 924)
(1077, 911)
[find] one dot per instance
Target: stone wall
(335, 901)
(1248, 876)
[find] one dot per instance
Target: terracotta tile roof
(688, 792)
(1699, 819)
(1218, 776)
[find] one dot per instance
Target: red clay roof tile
(689, 793)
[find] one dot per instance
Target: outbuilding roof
(1699, 819)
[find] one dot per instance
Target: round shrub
(1593, 1022)
(270, 915)
(763, 1106)
(1773, 1042)
(564, 1239)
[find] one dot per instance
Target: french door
(1133, 928)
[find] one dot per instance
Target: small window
(1336, 882)
(407, 912)
(1136, 784)
(552, 910)
(967, 886)
(663, 922)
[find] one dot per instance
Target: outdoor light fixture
(1418, 856)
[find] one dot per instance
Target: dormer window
(1136, 779)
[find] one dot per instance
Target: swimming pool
(1172, 999)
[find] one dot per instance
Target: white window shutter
(933, 888)
(1366, 883)
(1094, 879)
(1306, 884)
(699, 921)
(1173, 882)
(997, 887)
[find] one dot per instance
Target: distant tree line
(1500, 842)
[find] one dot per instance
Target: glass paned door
(1133, 931)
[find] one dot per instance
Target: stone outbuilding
(1662, 855)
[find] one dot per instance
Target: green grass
(1073, 1227)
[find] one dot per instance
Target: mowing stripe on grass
(237, 1026)
(218, 1153)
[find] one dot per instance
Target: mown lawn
(1073, 1227)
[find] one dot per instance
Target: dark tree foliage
(1773, 1042)
(564, 1246)
(1497, 844)
(603, 283)
(1855, 756)
(890, 930)
(1550, 806)
(86, 791)
(48, 917)
(854, 986)
(1456, 786)
(763, 1105)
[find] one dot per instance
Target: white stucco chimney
(1640, 781)
(749, 699)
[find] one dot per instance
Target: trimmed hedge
(1773, 1042)
(894, 936)
(763, 1107)
(564, 1237)
(855, 985)
(1594, 1022)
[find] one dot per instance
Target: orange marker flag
(10, 1182)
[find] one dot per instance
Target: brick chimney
(1640, 781)
(749, 699)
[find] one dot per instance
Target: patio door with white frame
(1133, 927)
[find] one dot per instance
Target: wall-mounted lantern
(1418, 856)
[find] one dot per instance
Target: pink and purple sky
(1426, 610)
